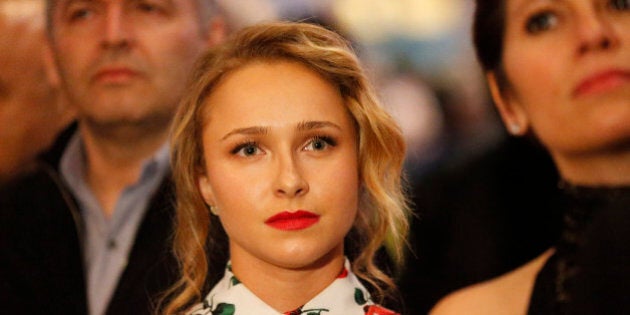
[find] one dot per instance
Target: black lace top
(590, 271)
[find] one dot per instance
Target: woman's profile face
(280, 151)
(568, 67)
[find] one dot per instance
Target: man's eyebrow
(165, 2)
(255, 130)
(66, 3)
(63, 5)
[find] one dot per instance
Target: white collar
(344, 296)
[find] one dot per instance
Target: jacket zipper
(72, 206)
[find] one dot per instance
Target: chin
(305, 258)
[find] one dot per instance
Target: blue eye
(620, 5)
(246, 149)
(319, 143)
(541, 22)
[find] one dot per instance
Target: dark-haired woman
(559, 71)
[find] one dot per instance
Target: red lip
(602, 81)
(290, 221)
(115, 75)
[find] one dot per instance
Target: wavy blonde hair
(200, 241)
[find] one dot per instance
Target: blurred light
(241, 13)
(376, 21)
(23, 10)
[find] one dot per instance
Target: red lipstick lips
(291, 221)
(603, 81)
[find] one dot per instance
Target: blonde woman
(288, 177)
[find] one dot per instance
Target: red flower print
(378, 310)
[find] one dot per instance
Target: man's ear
(512, 112)
(203, 184)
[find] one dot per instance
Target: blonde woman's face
(280, 151)
(568, 65)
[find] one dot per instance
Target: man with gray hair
(89, 232)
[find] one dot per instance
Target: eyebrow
(310, 125)
(63, 5)
(67, 3)
(260, 130)
(256, 130)
(164, 2)
(519, 10)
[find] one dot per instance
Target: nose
(289, 181)
(595, 32)
(116, 32)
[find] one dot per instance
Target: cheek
(537, 66)
(345, 178)
(172, 62)
(183, 45)
(348, 201)
(537, 82)
(237, 188)
(340, 183)
(68, 47)
(74, 67)
(529, 74)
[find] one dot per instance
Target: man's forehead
(65, 3)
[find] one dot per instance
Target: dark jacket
(479, 218)
(41, 263)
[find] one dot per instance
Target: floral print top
(344, 296)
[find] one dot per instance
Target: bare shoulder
(506, 294)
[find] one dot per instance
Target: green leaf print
(234, 281)
(224, 309)
(359, 297)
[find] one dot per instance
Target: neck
(286, 289)
(602, 169)
(113, 163)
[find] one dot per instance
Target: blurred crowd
(422, 63)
